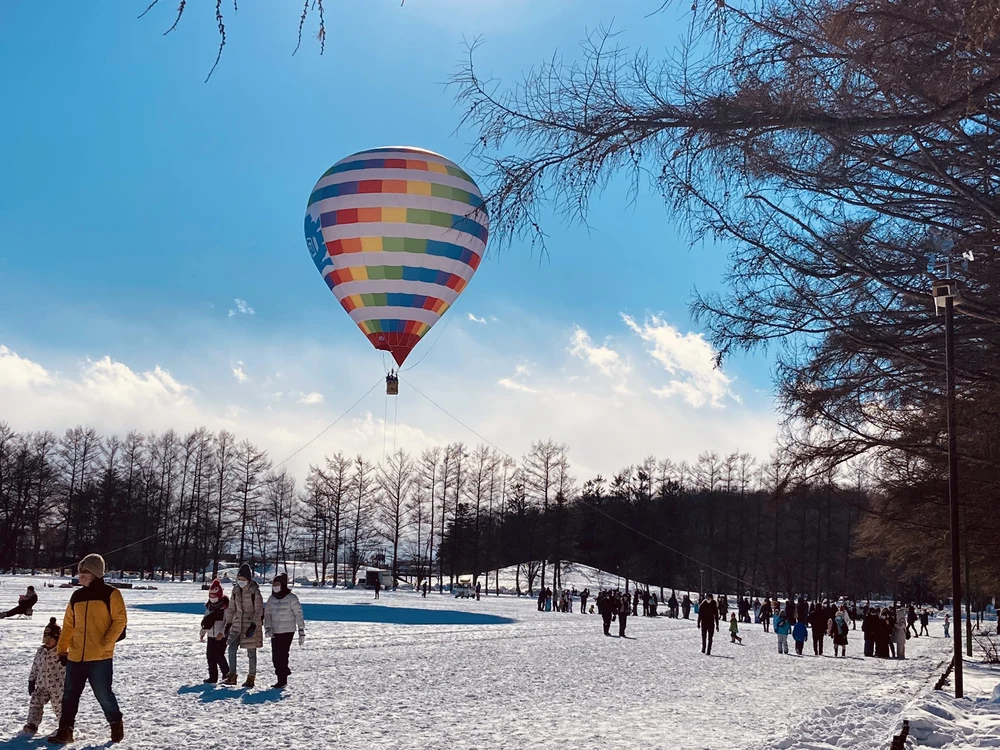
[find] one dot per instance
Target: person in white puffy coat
(46, 679)
(899, 633)
(282, 617)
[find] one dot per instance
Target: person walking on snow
(766, 613)
(604, 608)
(213, 625)
(708, 615)
(244, 616)
(734, 629)
(686, 607)
(839, 627)
(95, 620)
(46, 679)
(947, 621)
(623, 614)
(799, 634)
(282, 617)
(378, 586)
(925, 621)
(781, 629)
(818, 623)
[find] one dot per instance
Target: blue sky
(138, 203)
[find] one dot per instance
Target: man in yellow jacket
(94, 621)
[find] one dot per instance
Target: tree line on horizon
(175, 506)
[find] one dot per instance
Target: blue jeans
(99, 674)
(251, 657)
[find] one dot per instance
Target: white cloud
(242, 308)
(604, 358)
(513, 385)
(474, 319)
(18, 373)
(556, 392)
(311, 398)
(239, 374)
(689, 358)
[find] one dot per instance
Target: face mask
(213, 598)
(276, 588)
(243, 584)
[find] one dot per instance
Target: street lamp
(946, 296)
(701, 586)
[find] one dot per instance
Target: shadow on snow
(210, 694)
(357, 613)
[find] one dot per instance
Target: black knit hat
(245, 572)
(281, 579)
(52, 630)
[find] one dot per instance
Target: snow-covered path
(545, 680)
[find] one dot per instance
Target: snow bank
(939, 720)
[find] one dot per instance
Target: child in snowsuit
(45, 681)
(799, 634)
(282, 617)
(734, 629)
(213, 624)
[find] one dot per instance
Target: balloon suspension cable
(395, 422)
(703, 565)
(385, 416)
(329, 426)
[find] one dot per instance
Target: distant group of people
(561, 602)
(888, 629)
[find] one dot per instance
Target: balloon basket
(391, 385)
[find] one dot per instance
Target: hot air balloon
(397, 234)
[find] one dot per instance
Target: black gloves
(31, 687)
(251, 630)
(63, 659)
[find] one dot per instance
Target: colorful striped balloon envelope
(397, 234)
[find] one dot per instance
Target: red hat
(216, 588)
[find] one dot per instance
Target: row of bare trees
(181, 506)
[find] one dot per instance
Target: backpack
(106, 598)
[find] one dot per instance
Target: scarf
(216, 611)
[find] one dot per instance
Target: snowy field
(542, 680)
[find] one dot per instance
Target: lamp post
(701, 585)
(945, 296)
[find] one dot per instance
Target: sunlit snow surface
(545, 680)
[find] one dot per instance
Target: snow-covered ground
(543, 680)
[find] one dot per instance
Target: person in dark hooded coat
(708, 615)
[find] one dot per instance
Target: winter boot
(209, 681)
(117, 731)
(250, 681)
(29, 729)
(61, 737)
(282, 682)
(230, 678)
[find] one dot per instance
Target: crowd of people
(884, 630)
